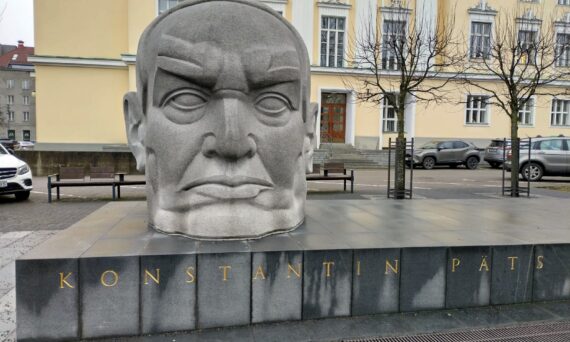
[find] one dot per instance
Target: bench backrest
(334, 167)
(316, 169)
(102, 172)
(68, 172)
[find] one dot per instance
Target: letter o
(115, 276)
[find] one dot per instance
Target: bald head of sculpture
(221, 120)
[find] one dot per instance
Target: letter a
(484, 265)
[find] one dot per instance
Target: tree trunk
(515, 156)
(400, 160)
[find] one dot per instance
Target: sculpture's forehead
(232, 26)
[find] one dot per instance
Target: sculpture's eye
(272, 104)
(186, 100)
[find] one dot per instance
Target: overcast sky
(17, 22)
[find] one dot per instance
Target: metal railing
(508, 190)
(407, 192)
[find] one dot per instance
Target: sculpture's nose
(231, 139)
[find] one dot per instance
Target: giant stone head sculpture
(221, 120)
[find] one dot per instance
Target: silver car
(548, 157)
(452, 153)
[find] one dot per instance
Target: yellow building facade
(86, 53)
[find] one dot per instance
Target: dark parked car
(10, 144)
(452, 153)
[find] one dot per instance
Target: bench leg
(57, 191)
(118, 191)
(345, 185)
(351, 181)
(49, 193)
(113, 192)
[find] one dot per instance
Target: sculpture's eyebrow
(280, 66)
(199, 63)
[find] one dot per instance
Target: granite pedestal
(110, 275)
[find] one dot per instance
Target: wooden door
(333, 118)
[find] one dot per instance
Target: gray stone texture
(551, 272)
(168, 293)
(327, 281)
(375, 281)
(109, 296)
(468, 277)
(276, 286)
(245, 158)
(422, 281)
(512, 274)
(224, 289)
(47, 293)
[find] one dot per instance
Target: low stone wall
(44, 163)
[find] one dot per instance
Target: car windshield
(3, 150)
(430, 145)
(498, 143)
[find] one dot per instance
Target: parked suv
(452, 153)
(15, 176)
(494, 153)
(549, 156)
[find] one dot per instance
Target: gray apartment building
(17, 93)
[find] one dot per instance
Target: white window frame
(10, 99)
(562, 27)
(10, 84)
(338, 10)
(564, 2)
(486, 21)
(394, 20)
(564, 113)
(277, 5)
(487, 111)
(528, 112)
(385, 106)
(158, 12)
(26, 100)
(11, 115)
(25, 84)
(26, 116)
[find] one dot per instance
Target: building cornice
(333, 4)
(77, 61)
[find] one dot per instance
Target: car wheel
(532, 171)
(472, 163)
(21, 196)
(428, 163)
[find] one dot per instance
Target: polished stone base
(109, 275)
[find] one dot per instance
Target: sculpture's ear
(135, 123)
(309, 141)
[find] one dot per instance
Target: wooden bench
(332, 171)
(76, 176)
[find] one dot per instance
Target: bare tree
(524, 57)
(406, 60)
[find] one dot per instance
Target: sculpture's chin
(229, 220)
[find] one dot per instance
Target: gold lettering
(226, 268)
(297, 271)
(190, 274)
(454, 264)
(259, 273)
(147, 274)
(390, 267)
(540, 262)
(63, 280)
(358, 268)
(513, 259)
(328, 265)
(484, 265)
(115, 278)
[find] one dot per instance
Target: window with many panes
(164, 5)
(393, 40)
(10, 99)
(527, 46)
(11, 116)
(564, 2)
(332, 41)
(389, 117)
(480, 40)
(10, 84)
(560, 114)
(563, 49)
(25, 84)
(526, 113)
(477, 109)
(12, 134)
(26, 135)
(26, 116)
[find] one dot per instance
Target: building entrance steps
(109, 275)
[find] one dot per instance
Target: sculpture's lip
(232, 182)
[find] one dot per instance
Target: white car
(15, 176)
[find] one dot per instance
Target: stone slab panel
(47, 298)
(168, 293)
(109, 295)
(277, 286)
(511, 281)
(327, 280)
(422, 279)
(375, 281)
(551, 272)
(468, 277)
(224, 289)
